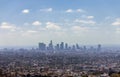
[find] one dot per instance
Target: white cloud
(52, 26)
(36, 23)
(87, 17)
(80, 10)
(78, 28)
(5, 25)
(117, 22)
(31, 31)
(47, 10)
(25, 11)
(69, 11)
(91, 22)
(90, 17)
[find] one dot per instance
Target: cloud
(52, 26)
(7, 26)
(47, 10)
(117, 22)
(78, 10)
(91, 22)
(87, 17)
(36, 23)
(69, 11)
(31, 31)
(90, 17)
(25, 11)
(78, 28)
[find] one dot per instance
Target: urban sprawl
(60, 60)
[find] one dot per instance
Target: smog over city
(59, 38)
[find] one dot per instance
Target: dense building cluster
(66, 47)
(33, 63)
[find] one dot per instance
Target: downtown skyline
(25, 23)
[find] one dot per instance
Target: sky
(86, 22)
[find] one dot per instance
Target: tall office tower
(99, 47)
(57, 47)
(77, 46)
(42, 46)
(62, 46)
(73, 47)
(66, 46)
(50, 47)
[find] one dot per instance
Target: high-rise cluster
(65, 47)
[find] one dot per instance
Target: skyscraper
(77, 46)
(50, 47)
(42, 46)
(73, 47)
(99, 47)
(66, 46)
(57, 47)
(62, 46)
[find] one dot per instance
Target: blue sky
(27, 22)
